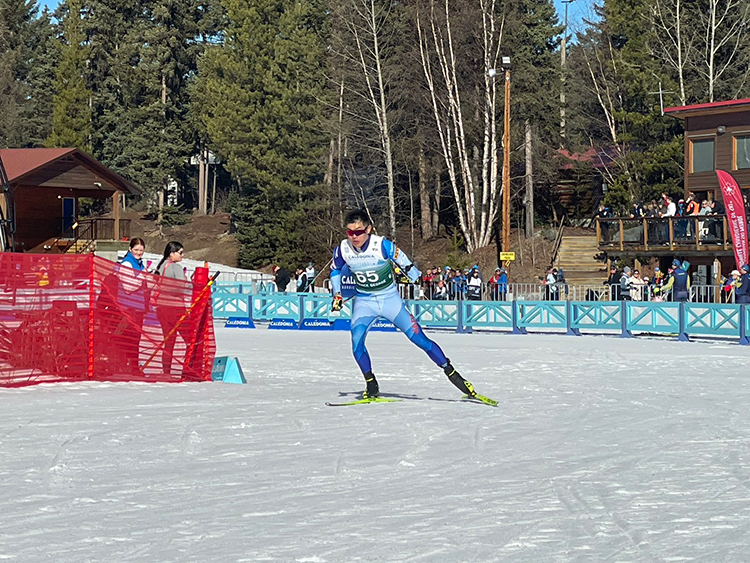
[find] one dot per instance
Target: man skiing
(369, 259)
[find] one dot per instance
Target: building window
(703, 155)
(742, 152)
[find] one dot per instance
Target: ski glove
(413, 273)
(338, 302)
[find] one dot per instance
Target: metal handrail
(558, 241)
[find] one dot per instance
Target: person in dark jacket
(742, 291)
(613, 281)
(679, 283)
(281, 277)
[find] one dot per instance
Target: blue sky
(577, 10)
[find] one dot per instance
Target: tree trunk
(201, 182)
(424, 198)
(529, 183)
(340, 154)
(436, 208)
(160, 215)
(213, 195)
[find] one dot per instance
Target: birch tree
(363, 46)
(724, 34)
(475, 189)
(674, 40)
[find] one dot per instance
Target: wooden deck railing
(697, 232)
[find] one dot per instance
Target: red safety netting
(73, 318)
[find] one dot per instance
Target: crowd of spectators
(454, 283)
(710, 229)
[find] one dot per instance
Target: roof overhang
(713, 108)
(63, 169)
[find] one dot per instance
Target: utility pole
(506, 160)
(564, 66)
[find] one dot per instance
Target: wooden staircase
(577, 257)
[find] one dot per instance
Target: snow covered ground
(601, 450)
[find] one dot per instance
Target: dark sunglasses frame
(356, 233)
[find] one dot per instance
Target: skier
(369, 259)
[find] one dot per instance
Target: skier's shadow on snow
(358, 395)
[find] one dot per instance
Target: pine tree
(22, 36)
(259, 97)
(71, 115)
(616, 85)
(37, 109)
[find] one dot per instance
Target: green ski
(364, 402)
(481, 399)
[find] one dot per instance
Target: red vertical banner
(732, 193)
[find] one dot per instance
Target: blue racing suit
(377, 295)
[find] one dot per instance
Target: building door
(68, 215)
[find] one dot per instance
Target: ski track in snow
(602, 449)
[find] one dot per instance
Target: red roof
(700, 108)
(41, 166)
(599, 158)
(19, 162)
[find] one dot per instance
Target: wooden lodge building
(44, 188)
(717, 136)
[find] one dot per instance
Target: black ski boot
(455, 378)
(373, 390)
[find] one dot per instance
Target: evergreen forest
(286, 113)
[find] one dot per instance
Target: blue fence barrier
(571, 317)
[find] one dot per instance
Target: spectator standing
(679, 283)
(550, 285)
(282, 278)
(671, 206)
(133, 301)
(625, 284)
(658, 280)
(302, 283)
(498, 284)
(729, 285)
(604, 213)
(474, 286)
(170, 302)
(691, 207)
(742, 291)
(637, 286)
(310, 277)
(613, 281)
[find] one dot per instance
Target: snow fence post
(569, 309)
(682, 335)
(744, 339)
(624, 332)
(514, 319)
(460, 328)
(301, 309)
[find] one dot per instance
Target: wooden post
(622, 236)
(645, 233)
(116, 213)
(724, 223)
(671, 234)
(697, 232)
(598, 232)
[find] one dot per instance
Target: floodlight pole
(506, 162)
